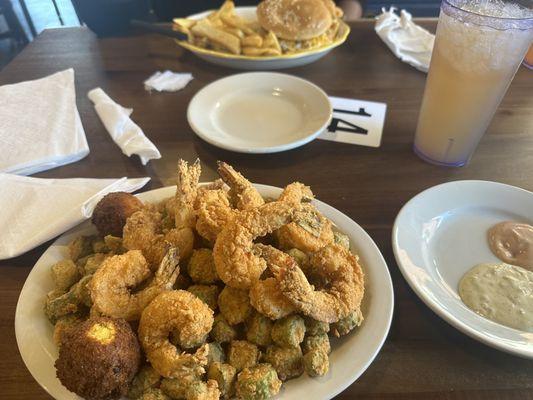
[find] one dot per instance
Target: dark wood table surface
(423, 357)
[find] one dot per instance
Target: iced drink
(479, 45)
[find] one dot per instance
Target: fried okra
(288, 331)
(317, 342)
(300, 257)
(57, 307)
(314, 327)
(89, 265)
(207, 293)
(65, 274)
(222, 332)
(215, 353)
(153, 394)
(258, 329)
(243, 354)
(287, 361)
(62, 325)
(201, 267)
(225, 375)
(347, 324)
(199, 390)
(81, 247)
(316, 362)
(258, 383)
(234, 304)
(341, 239)
(146, 378)
(176, 387)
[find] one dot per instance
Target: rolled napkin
(167, 81)
(34, 210)
(124, 132)
(40, 127)
(408, 41)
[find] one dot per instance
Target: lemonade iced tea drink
(479, 45)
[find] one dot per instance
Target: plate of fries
(232, 37)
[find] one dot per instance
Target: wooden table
(424, 357)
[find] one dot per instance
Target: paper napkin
(408, 41)
(34, 210)
(167, 81)
(40, 127)
(125, 133)
(355, 122)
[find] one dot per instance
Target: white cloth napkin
(167, 81)
(40, 127)
(34, 210)
(408, 41)
(125, 133)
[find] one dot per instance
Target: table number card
(355, 122)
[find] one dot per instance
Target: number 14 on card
(356, 122)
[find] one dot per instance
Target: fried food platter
(350, 355)
(262, 62)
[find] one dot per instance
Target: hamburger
(300, 24)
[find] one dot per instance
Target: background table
(423, 357)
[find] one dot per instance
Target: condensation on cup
(479, 46)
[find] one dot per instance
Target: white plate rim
(258, 150)
(424, 296)
(379, 268)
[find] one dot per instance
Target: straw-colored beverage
(473, 62)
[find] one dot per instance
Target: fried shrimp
(144, 229)
(236, 262)
(309, 231)
(111, 284)
(243, 194)
(213, 211)
(183, 314)
(340, 268)
(267, 298)
(295, 193)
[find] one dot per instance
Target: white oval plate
(259, 112)
(441, 233)
(351, 354)
(262, 62)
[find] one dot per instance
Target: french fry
(252, 41)
(218, 36)
(234, 31)
(257, 51)
(271, 41)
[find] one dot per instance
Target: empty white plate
(441, 233)
(259, 112)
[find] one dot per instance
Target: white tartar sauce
(502, 293)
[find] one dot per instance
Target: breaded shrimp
(309, 231)
(213, 211)
(111, 284)
(183, 314)
(144, 230)
(345, 278)
(267, 298)
(237, 264)
(243, 194)
(295, 193)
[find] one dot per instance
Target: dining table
(423, 357)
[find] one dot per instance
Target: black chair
(14, 31)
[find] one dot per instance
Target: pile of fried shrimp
(229, 294)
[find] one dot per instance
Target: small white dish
(350, 357)
(262, 62)
(441, 233)
(259, 112)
